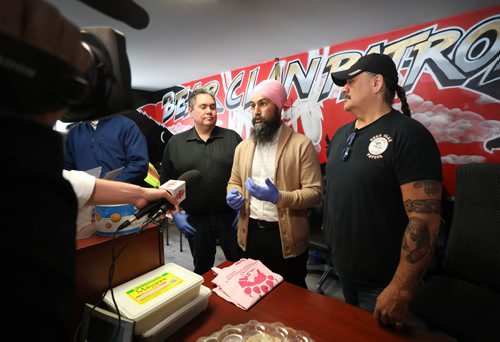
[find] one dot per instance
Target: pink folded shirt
(245, 282)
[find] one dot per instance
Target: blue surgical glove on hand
(268, 193)
(234, 199)
(182, 223)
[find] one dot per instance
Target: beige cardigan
(297, 177)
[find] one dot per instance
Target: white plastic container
(150, 298)
(178, 319)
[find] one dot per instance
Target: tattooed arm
(422, 201)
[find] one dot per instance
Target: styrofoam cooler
(150, 298)
(178, 319)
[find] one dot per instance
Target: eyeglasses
(346, 152)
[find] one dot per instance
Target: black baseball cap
(375, 62)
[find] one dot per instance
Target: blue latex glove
(182, 223)
(234, 199)
(268, 193)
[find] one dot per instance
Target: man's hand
(234, 199)
(391, 306)
(182, 223)
(268, 193)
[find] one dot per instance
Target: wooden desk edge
(198, 327)
(95, 239)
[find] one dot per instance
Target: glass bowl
(254, 331)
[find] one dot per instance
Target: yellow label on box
(153, 288)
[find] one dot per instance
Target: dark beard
(265, 131)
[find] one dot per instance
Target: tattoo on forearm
(416, 240)
(423, 206)
(431, 187)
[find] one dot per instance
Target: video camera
(109, 76)
(35, 81)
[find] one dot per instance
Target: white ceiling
(191, 39)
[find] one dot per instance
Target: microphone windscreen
(191, 177)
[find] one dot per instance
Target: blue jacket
(117, 141)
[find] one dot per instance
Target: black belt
(264, 224)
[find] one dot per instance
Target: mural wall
(450, 70)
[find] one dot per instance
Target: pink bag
(245, 282)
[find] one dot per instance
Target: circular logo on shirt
(378, 145)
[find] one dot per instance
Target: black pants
(264, 244)
(203, 244)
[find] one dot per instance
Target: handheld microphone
(177, 188)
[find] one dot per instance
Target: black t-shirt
(364, 214)
(214, 159)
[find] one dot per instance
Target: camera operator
(43, 68)
(39, 205)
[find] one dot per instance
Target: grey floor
(179, 253)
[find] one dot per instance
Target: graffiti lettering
(302, 82)
(453, 56)
(168, 105)
(233, 102)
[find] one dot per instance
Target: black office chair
(318, 245)
(463, 300)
